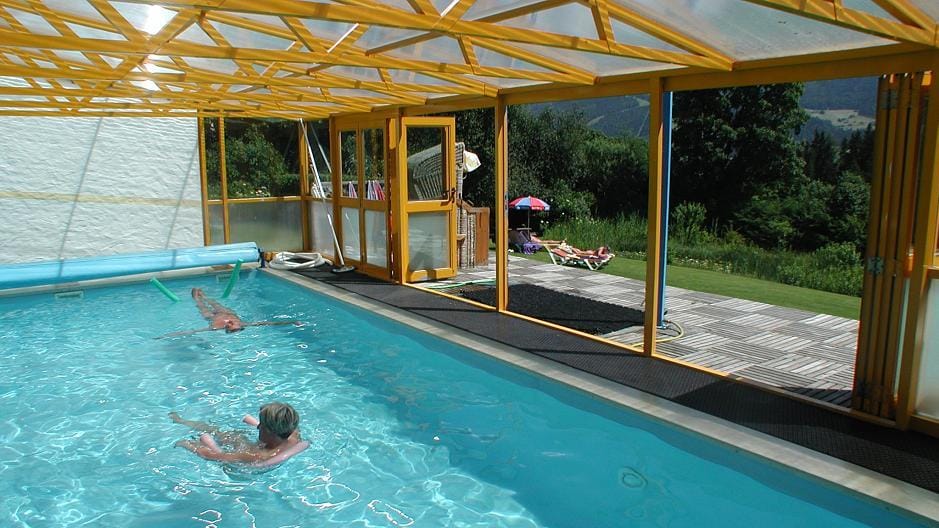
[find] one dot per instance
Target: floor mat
(571, 311)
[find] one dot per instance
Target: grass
(736, 286)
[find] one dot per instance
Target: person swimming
(220, 317)
(278, 437)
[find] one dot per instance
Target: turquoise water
(406, 429)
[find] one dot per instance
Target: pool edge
(895, 494)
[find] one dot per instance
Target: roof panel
(326, 29)
(486, 8)
(149, 19)
(596, 63)
(352, 72)
(245, 38)
(75, 7)
(440, 49)
(33, 23)
(930, 7)
(867, 6)
(569, 19)
(626, 34)
(378, 36)
(92, 33)
(746, 31)
(494, 59)
(195, 34)
(505, 83)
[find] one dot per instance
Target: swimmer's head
(231, 325)
(279, 418)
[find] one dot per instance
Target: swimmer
(278, 437)
(221, 317)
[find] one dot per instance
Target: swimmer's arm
(208, 453)
(186, 332)
(275, 323)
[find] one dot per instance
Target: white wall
(76, 187)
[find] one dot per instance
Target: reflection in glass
(349, 165)
(373, 140)
(426, 170)
(275, 226)
(376, 237)
(216, 225)
(350, 234)
(321, 234)
(428, 241)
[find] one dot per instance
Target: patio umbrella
(529, 203)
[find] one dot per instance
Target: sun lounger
(567, 255)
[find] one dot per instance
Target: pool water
(406, 429)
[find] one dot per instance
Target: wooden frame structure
(357, 61)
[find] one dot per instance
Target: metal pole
(666, 183)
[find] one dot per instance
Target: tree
(734, 150)
(857, 153)
(821, 158)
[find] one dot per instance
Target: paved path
(809, 353)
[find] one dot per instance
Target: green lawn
(739, 287)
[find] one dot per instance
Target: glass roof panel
(87, 32)
(195, 34)
(3, 24)
(21, 98)
(354, 72)
(597, 63)
(569, 19)
(15, 59)
(352, 92)
(245, 38)
(225, 66)
(505, 83)
(407, 76)
(73, 56)
(485, 8)
(149, 19)
(746, 31)
(75, 7)
(442, 5)
(378, 36)
(33, 23)
(867, 6)
(326, 29)
(930, 7)
(440, 49)
(626, 34)
(494, 59)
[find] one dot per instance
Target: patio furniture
(567, 255)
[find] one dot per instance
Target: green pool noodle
(233, 279)
(166, 291)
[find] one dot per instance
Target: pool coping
(893, 493)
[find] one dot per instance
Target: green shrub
(834, 268)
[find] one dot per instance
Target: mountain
(837, 107)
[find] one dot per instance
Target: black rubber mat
(572, 311)
(907, 456)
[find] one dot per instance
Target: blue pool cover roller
(71, 270)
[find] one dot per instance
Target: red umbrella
(529, 203)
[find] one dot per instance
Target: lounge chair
(568, 255)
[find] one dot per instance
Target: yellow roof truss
(315, 59)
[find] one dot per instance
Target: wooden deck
(807, 353)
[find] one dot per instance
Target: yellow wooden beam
(601, 19)
(837, 14)
(654, 216)
(500, 208)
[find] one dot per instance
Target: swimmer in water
(221, 317)
(278, 437)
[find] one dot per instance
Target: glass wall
(350, 233)
(274, 226)
(428, 241)
(376, 236)
(321, 231)
(927, 394)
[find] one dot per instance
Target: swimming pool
(407, 429)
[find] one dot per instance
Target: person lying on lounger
(278, 437)
(220, 317)
(602, 251)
